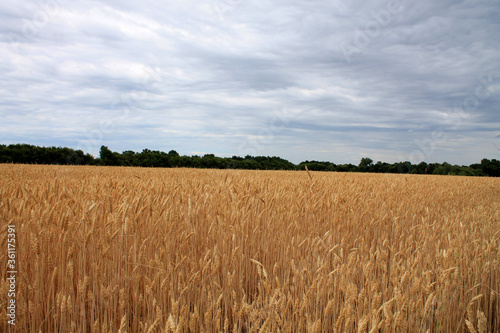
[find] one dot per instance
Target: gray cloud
(421, 80)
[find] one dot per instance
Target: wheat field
(111, 249)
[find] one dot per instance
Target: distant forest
(30, 154)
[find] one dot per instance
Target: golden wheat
(105, 249)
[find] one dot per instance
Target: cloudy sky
(301, 79)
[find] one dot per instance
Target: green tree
(108, 157)
(365, 164)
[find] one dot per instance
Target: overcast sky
(300, 79)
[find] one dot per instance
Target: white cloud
(212, 76)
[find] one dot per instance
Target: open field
(103, 249)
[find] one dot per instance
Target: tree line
(30, 154)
